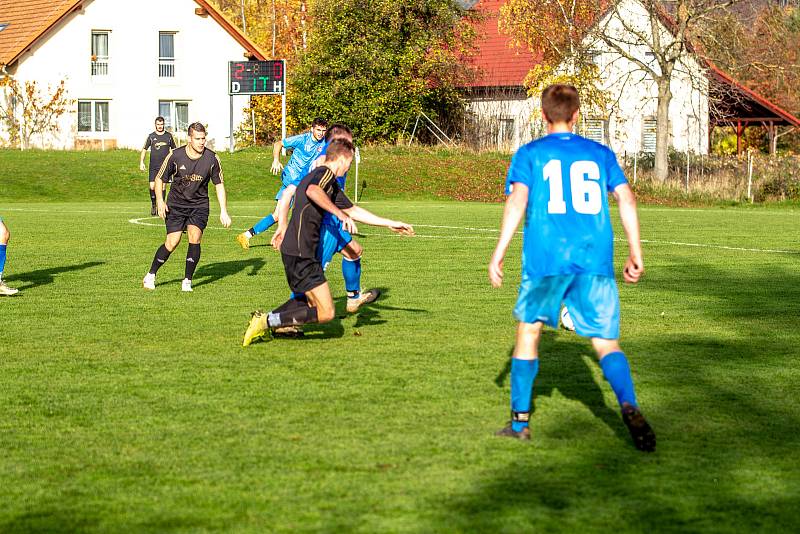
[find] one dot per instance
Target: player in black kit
(160, 142)
(318, 192)
(189, 168)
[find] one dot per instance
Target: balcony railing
(100, 67)
(166, 68)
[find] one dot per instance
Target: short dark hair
(560, 102)
(338, 130)
(339, 147)
(319, 122)
(196, 127)
(160, 119)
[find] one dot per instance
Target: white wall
(202, 50)
(634, 95)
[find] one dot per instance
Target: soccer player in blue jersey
(305, 148)
(560, 184)
(5, 235)
(333, 237)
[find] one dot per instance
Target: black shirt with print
(159, 145)
(190, 177)
(302, 233)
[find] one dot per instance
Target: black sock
(162, 255)
(291, 304)
(152, 198)
(192, 259)
(294, 316)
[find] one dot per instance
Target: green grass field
(126, 410)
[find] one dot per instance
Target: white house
(628, 125)
(123, 63)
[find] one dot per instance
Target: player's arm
(634, 267)
(277, 166)
(158, 187)
(284, 203)
(367, 217)
(318, 196)
(144, 151)
(217, 178)
(514, 211)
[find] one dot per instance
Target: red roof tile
(499, 64)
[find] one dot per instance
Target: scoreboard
(257, 77)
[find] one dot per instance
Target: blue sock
(523, 373)
(2, 258)
(263, 224)
(618, 374)
(351, 271)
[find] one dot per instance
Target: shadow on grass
(727, 427)
(213, 272)
(44, 277)
(563, 367)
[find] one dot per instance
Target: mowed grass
(127, 410)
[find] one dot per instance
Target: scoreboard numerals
(256, 77)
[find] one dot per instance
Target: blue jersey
(567, 223)
(322, 151)
(306, 150)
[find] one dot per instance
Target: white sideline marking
(491, 230)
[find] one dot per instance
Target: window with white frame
(93, 115)
(649, 129)
(166, 54)
(595, 129)
(99, 53)
(175, 113)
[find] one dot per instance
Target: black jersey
(190, 177)
(302, 234)
(159, 145)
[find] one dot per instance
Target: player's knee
(5, 235)
(353, 250)
(325, 314)
(605, 346)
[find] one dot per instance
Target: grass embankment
(392, 172)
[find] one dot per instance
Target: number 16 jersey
(567, 223)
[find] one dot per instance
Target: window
(649, 135)
(99, 53)
(595, 129)
(93, 115)
(166, 55)
(176, 115)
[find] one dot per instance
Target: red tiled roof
(29, 20)
(499, 65)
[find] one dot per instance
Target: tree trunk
(662, 129)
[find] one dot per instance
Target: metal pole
(411, 140)
(750, 176)
(355, 190)
(230, 143)
(283, 119)
(253, 120)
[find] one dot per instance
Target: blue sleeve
(294, 141)
(519, 170)
(615, 175)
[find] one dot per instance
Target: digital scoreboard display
(257, 77)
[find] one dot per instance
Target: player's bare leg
(5, 237)
(617, 372)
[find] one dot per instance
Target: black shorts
(179, 218)
(303, 274)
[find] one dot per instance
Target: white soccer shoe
(7, 291)
(186, 285)
(149, 281)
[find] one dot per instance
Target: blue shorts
(592, 300)
(332, 239)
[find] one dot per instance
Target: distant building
(505, 117)
(124, 62)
